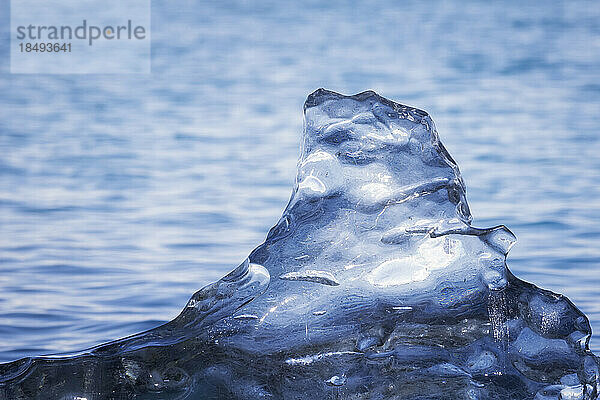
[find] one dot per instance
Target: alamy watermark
(80, 36)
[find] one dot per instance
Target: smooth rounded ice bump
(337, 380)
(319, 176)
(398, 271)
(572, 393)
(495, 280)
(431, 255)
(570, 380)
(551, 392)
(501, 239)
(482, 362)
(554, 316)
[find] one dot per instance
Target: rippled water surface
(121, 195)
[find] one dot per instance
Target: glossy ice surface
(115, 187)
(372, 285)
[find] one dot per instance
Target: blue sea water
(121, 195)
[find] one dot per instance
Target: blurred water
(121, 195)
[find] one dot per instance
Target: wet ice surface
(373, 284)
(113, 186)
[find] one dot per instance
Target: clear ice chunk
(372, 285)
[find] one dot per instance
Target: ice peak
(374, 152)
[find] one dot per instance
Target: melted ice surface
(379, 207)
(373, 284)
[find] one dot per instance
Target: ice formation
(372, 285)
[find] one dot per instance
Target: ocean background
(121, 195)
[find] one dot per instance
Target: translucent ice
(372, 285)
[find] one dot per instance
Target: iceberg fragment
(372, 285)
